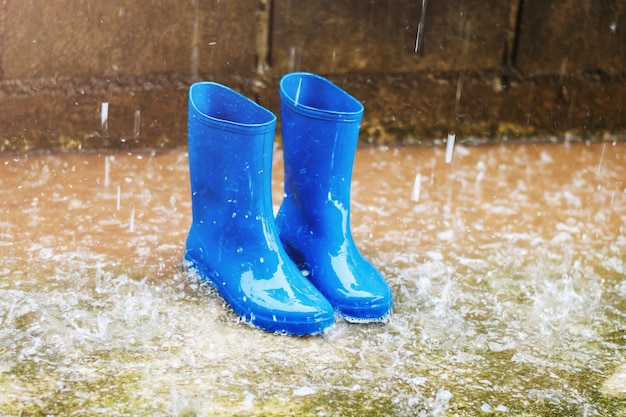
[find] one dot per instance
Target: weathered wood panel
(128, 38)
(379, 36)
(564, 36)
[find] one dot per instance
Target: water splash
(509, 299)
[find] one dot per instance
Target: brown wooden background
(487, 69)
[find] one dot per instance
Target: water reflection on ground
(507, 269)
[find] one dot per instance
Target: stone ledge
(151, 112)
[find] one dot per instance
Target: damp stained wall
(86, 74)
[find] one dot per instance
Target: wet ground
(506, 264)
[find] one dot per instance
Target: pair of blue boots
(287, 274)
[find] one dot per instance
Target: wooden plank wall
(485, 70)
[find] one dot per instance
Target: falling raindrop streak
(419, 36)
(288, 12)
(295, 57)
(292, 58)
(106, 172)
(417, 185)
(137, 123)
(131, 223)
(119, 198)
(572, 103)
(563, 69)
(457, 101)
(450, 147)
(530, 103)
(467, 37)
(104, 116)
(195, 49)
(613, 193)
(298, 91)
(601, 158)
(299, 55)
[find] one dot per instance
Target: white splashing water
(507, 297)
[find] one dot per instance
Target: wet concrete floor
(506, 264)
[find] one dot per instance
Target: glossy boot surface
(233, 241)
(320, 126)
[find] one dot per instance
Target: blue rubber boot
(320, 125)
(233, 241)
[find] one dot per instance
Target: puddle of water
(507, 274)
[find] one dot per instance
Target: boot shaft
(320, 127)
(230, 141)
(317, 98)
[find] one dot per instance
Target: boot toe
(356, 290)
(300, 314)
(284, 303)
(374, 307)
